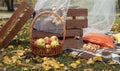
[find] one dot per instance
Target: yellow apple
(40, 42)
(54, 38)
(48, 46)
(54, 43)
(46, 38)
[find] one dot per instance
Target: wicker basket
(43, 51)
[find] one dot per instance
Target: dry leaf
(19, 63)
(73, 65)
(14, 59)
(25, 69)
(1, 65)
(90, 61)
(78, 61)
(20, 52)
(89, 69)
(46, 66)
(111, 62)
(27, 60)
(97, 58)
(11, 46)
(7, 60)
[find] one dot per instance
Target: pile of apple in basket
(47, 42)
(47, 46)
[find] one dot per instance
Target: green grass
(116, 25)
(22, 41)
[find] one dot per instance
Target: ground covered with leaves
(18, 57)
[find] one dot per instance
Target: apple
(54, 38)
(54, 43)
(47, 41)
(40, 42)
(48, 48)
(46, 38)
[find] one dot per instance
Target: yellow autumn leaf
(27, 60)
(25, 69)
(90, 61)
(73, 65)
(37, 66)
(89, 69)
(2, 50)
(20, 52)
(72, 55)
(11, 46)
(97, 58)
(56, 66)
(14, 59)
(62, 65)
(1, 65)
(46, 66)
(78, 61)
(53, 63)
(7, 60)
(111, 62)
(19, 63)
(45, 58)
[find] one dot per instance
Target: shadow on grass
(17, 42)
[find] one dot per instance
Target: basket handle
(55, 14)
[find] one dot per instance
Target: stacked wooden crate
(76, 21)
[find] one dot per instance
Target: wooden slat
(76, 23)
(12, 19)
(18, 24)
(77, 12)
(42, 34)
(17, 27)
(74, 32)
(73, 43)
(69, 33)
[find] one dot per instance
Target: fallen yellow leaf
(73, 65)
(19, 63)
(97, 58)
(11, 46)
(7, 60)
(90, 61)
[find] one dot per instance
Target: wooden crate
(76, 21)
(74, 27)
(16, 22)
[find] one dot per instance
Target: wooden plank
(12, 19)
(71, 24)
(74, 32)
(77, 12)
(17, 27)
(41, 34)
(73, 43)
(69, 33)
